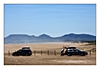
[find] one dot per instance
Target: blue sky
(52, 19)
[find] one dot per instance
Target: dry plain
(51, 59)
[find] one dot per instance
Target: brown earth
(50, 59)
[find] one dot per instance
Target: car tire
(69, 54)
(82, 54)
(15, 55)
(26, 54)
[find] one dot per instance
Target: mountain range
(24, 38)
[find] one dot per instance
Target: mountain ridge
(24, 38)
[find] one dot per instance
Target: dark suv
(23, 52)
(70, 52)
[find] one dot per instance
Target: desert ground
(52, 58)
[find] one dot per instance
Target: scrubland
(51, 59)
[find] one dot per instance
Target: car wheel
(82, 54)
(15, 55)
(69, 54)
(26, 54)
(29, 55)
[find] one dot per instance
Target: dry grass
(50, 59)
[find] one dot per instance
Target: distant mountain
(44, 36)
(78, 37)
(19, 38)
(23, 38)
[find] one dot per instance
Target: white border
(50, 1)
(2, 2)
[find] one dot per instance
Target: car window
(26, 50)
(19, 51)
(70, 51)
(76, 50)
(73, 50)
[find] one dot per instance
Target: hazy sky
(51, 19)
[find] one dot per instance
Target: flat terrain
(51, 59)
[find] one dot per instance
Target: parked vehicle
(23, 52)
(74, 51)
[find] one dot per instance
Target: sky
(52, 19)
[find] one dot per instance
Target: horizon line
(46, 34)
